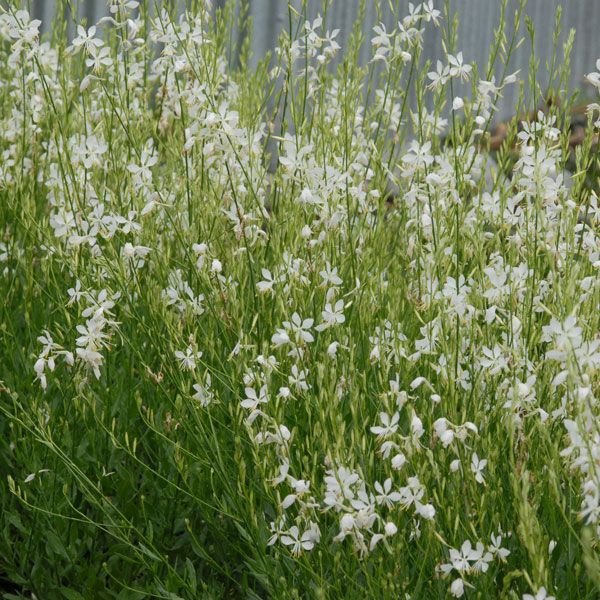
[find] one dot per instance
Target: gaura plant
(297, 330)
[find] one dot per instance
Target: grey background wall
(478, 19)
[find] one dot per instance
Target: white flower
(298, 379)
(458, 68)
(477, 466)
(22, 29)
(427, 511)
(298, 542)
(385, 496)
(458, 103)
(430, 13)
(330, 276)
(123, 6)
(75, 293)
(92, 359)
(468, 558)
(389, 425)
(496, 549)
(188, 358)
(418, 156)
(280, 338)
(297, 330)
(443, 431)
(438, 77)
(541, 594)
(142, 171)
(346, 522)
(381, 42)
(266, 285)
(253, 400)
(87, 39)
(32, 476)
(300, 328)
(280, 436)
(594, 77)
(332, 349)
(332, 316)
(300, 486)
(417, 382)
(398, 461)
(416, 427)
(284, 393)
(99, 57)
(204, 395)
(457, 588)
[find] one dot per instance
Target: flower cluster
(356, 335)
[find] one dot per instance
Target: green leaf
(55, 544)
(126, 594)
(149, 553)
(71, 594)
(190, 574)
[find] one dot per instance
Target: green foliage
(181, 233)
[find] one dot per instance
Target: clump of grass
(291, 331)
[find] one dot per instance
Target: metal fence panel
(478, 19)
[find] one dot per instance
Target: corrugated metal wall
(478, 19)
